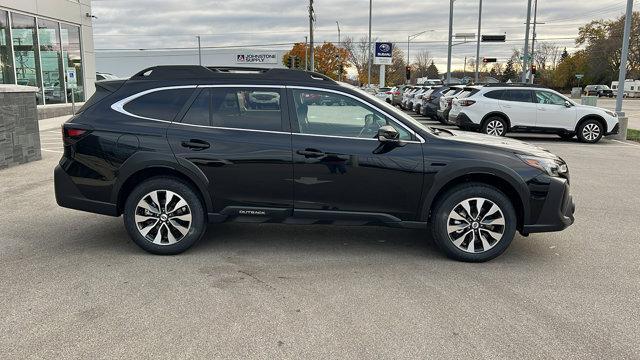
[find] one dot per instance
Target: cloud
(130, 24)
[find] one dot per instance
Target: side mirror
(567, 104)
(388, 133)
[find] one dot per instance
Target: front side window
(517, 95)
(159, 105)
(246, 108)
(326, 113)
(546, 97)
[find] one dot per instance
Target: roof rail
(301, 75)
(511, 84)
(167, 72)
(241, 69)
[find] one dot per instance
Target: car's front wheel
(495, 125)
(165, 216)
(590, 131)
(473, 222)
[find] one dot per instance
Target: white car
(417, 99)
(384, 94)
(445, 102)
(496, 109)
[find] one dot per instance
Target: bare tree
(546, 55)
(359, 57)
(423, 60)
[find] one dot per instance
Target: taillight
(466, 102)
(71, 135)
(449, 101)
(388, 92)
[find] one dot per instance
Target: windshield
(389, 108)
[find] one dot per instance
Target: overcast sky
(134, 24)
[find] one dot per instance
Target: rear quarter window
(159, 105)
(495, 94)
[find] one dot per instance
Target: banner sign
(383, 53)
(249, 58)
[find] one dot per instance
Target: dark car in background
(598, 90)
(176, 147)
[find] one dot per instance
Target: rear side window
(160, 105)
(517, 95)
(466, 93)
(246, 108)
(199, 112)
(495, 94)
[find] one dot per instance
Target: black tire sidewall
(198, 222)
(454, 196)
(581, 128)
(495, 118)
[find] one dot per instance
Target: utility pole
(199, 52)
(339, 43)
(464, 69)
(525, 56)
(622, 74)
(306, 53)
(369, 61)
(450, 39)
(311, 20)
(477, 77)
(533, 40)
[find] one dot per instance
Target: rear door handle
(196, 144)
(311, 153)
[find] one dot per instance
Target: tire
(489, 240)
(590, 131)
(167, 232)
(496, 126)
(417, 109)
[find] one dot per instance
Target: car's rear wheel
(165, 216)
(473, 222)
(590, 131)
(495, 125)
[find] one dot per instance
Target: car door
(339, 165)
(518, 105)
(239, 137)
(552, 112)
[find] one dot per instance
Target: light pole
(533, 40)
(369, 60)
(477, 77)
(411, 37)
(199, 52)
(338, 24)
(306, 52)
(525, 57)
(622, 74)
(449, 42)
(311, 19)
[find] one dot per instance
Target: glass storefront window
(72, 60)
(26, 52)
(6, 59)
(51, 61)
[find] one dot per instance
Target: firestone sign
(249, 58)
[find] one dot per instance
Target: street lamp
(411, 37)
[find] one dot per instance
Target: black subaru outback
(176, 147)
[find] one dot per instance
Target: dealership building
(48, 44)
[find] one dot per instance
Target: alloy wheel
(163, 217)
(591, 132)
(495, 127)
(475, 225)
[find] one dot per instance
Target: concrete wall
(71, 11)
(19, 132)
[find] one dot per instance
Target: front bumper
(557, 211)
(615, 130)
(463, 121)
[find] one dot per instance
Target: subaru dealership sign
(250, 58)
(383, 53)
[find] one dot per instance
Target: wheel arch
(596, 117)
(498, 114)
(142, 166)
(518, 194)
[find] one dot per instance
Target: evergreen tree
(432, 71)
(509, 72)
(564, 55)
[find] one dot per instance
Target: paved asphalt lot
(74, 286)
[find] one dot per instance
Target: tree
(421, 64)
(327, 56)
(359, 57)
(509, 72)
(395, 73)
(546, 54)
(432, 71)
(564, 55)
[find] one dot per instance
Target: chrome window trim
(119, 107)
(421, 140)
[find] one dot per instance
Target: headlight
(550, 166)
(611, 113)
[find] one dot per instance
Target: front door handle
(196, 144)
(311, 153)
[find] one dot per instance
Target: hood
(512, 145)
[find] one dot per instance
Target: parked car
(406, 95)
(598, 90)
(176, 147)
(444, 104)
(500, 108)
(417, 99)
(430, 108)
(411, 98)
(396, 96)
(384, 94)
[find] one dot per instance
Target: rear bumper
(558, 210)
(68, 195)
(463, 121)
